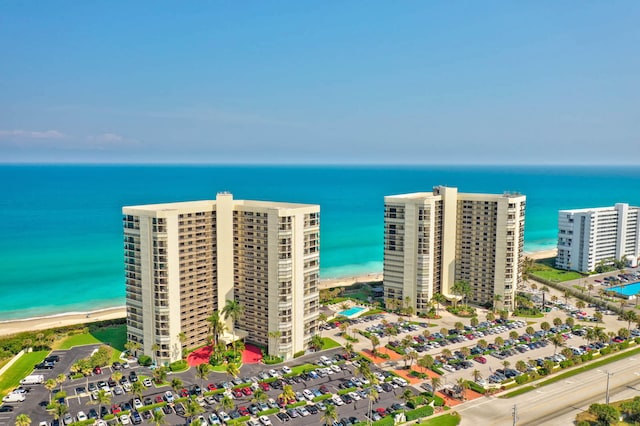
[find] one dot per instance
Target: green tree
(476, 375)
(259, 396)
(606, 414)
(232, 370)
(102, 399)
(545, 326)
(557, 341)
(176, 384)
(59, 410)
(216, 326)
(436, 382)
(235, 311)
(287, 393)
(202, 372)
(137, 388)
(23, 420)
(226, 403)
(182, 337)
(461, 288)
(439, 300)
(157, 418)
(407, 395)
(50, 385)
(330, 415)
(521, 366)
(316, 343)
(192, 409)
(629, 316)
(374, 342)
(160, 375)
(463, 385)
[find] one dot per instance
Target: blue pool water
(353, 311)
(627, 289)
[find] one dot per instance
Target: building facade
(433, 239)
(587, 237)
(184, 260)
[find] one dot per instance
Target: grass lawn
(329, 343)
(544, 269)
(452, 419)
(19, 370)
(115, 336)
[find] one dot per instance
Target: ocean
(61, 236)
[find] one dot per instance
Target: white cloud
(106, 137)
(31, 134)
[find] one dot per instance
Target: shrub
(524, 378)
(145, 360)
(605, 351)
(178, 365)
(272, 360)
(438, 401)
(238, 420)
(419, 413)
(299, 354)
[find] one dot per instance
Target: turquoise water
(627, 289)
(61, 236)
(353, 311)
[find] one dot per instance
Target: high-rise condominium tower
(587, 237)
(432, 240)
(185, 260)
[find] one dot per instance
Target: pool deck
(361, 310)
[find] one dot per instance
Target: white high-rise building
(433, 239)
(184, 260)
(587, 237)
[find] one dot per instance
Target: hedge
(238, 420)
(347, 390)
(385, 421)
(269, 411)
(296, 404)
(476, 387)
(322, 397)
(418, 413)
(299, 354)
(180, 365)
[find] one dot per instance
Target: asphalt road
(558, 403)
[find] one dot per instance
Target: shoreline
(14, 326)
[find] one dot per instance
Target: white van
(400, 381)
(14, 397)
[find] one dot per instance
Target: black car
(116, 365)
(147, 400)
(166, 409)
(92, 414)
(103, 411)
(196, 390)
(112, 383)
(346, 398)
(283, 417)
(147, 414)
(6, 409)
(133, 377)
(312, 409)
(52, 358)
(179, 409)
(136, 418)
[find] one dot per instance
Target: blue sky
(412, 82)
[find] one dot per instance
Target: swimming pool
(356, 310)
(627, 289)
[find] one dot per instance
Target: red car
(265, 386)
(115, 409)
(97, 370)
(211, 387)
(184, 393)
(246, 391)
(481, 359)
(159, 399)
(381, 411)
(237, 394)
(243, 411)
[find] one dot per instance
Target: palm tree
(439, 299)
(137, 388)
(233, 310)
(461, 288)
(287, 393)
(476, 375)
(232, 370)
(259, 396)
(23, 420)
(556, 340)
(59, 410)
(61, 378)
(176, 384)
(202, 372)
(316, 343)
(463, 385)
(102, 398)
(226, 403)
(630, 317)
(50, 385)
(275, 335)
(117, 375)
(363, 370)
(348, 347)
(497, 298)
(521, 366)
(330, 415)
(160, 375)
(374, 342)
(155, 348)
(182, 337)
(216, 326)
(436, 382)
(158, 418)
(192, 409)
(406, 396)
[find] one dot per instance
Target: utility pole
(606, 399)
(515, 415)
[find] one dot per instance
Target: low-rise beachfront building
(184, 260)
(433, 239)
(589, 236)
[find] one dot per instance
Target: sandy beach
(42, 323)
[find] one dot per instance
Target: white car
(125, 420)
(336, 368)
(337, 400)
(286, 370)
(81, 416)
(273, 373)
(355, 396)
(223, 416)
(265, 421)
(147, 382)
(137, 403)
(308, 394)
(203, 421)
(168, 396)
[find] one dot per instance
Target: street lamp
(606, 399)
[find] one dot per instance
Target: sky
(326, 82)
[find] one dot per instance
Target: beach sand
(42, 323)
